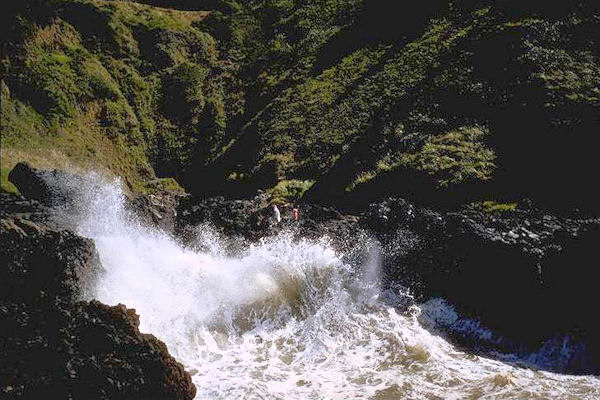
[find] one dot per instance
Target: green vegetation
(452, 158)
(289, 191)
(491, 206)
(6, 185)
(83, 86)
(456, 97)
(162, 184)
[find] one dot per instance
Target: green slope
(339, 101)
(98, 85)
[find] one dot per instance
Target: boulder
(29, 182)
(49, 187)
(56, 345)
(56, 188)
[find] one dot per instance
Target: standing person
(296, 214)
(276, 214)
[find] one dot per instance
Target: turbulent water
(288, 319)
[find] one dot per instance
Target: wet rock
(158, 209)
(29, 182)
(246, 218)
(55, 188)
(49, 187)
(54, 344)
(525, 274)
(252, 219)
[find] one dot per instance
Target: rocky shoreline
(55, 344)
(526, 274)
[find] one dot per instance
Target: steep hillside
(341, 101)
(126, 87)
(467, 103)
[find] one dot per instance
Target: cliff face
(526, 273)
(346, 101)
(54, 344)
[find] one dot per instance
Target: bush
(290, 191)
(491, 206)
(183, 99)
(452, 158)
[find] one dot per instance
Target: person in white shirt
(276, 214)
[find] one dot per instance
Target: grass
(162, 184)
(78, 93)
(491, 206)
(5, 184)
(79, 145)
(452, 158)
(289, 191)
(153, 17)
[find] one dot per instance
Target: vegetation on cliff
(99, 84)
(339, 101)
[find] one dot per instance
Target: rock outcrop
(54, 344)
(525, 274)
(252, 219)
(56, 188)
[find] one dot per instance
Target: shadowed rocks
(54, 345)
(526, 274)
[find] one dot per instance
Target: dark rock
(49, 187)
(56, 346)
(29, 182)
(524, 274)
(157, 209)
(252, 219)
(38, 261)
(246, 218)
(55, 188)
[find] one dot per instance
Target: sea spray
(288, 318)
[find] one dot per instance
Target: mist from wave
(290, 318)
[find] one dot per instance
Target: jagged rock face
(252, 219)
(526, 274)
(37, 184)
(158, 209)
(58, 188)
(247, 218)
(55, 345)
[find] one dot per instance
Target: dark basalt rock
(525, 274)
(53, 344)
(29, 183)
(157, 209)
(245, 218)
(49, 187)
(55, 188)
(252, 219)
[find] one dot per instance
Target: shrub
(452, 158)
(289, 191)
(491, 206)
(183, 98)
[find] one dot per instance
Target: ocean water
(288, 318)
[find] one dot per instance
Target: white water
(287, 319)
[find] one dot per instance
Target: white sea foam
(287, 319)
